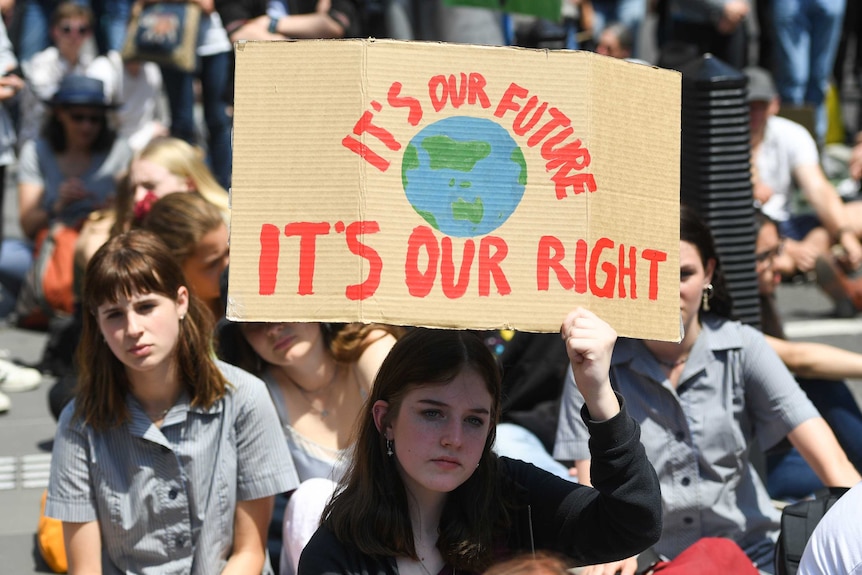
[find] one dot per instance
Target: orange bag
(48, 289)
(49, 538)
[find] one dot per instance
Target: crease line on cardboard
(589, 130)
(363, 177)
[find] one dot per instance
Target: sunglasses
(79, 118)
(81, 30)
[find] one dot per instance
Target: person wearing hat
(784, 159)
(63, 175)
(71, 30)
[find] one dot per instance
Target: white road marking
(822, 327)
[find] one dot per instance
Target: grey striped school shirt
(165, 498)
(734, 389)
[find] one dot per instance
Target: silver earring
(389, 451)
(707, 293)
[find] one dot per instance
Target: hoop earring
(707, 294)
(389, 451)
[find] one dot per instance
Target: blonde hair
(184, 161)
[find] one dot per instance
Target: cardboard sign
(453, 186)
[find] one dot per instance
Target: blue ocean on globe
(464, 176)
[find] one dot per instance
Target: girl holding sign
(425, 493)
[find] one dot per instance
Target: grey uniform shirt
(165, 498)
(733, 389)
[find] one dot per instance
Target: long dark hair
(138, 262)
(369, 509)
(693, 230)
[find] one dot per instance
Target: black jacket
(619, 518)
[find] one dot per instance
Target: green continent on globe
(517, 156)
(470, 211)
(428, 217)
(444, 152)
(410, 161)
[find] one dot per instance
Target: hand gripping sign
(453, 186)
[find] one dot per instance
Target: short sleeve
(70, 491)
(774, 399)
(28, 165)
(264, 465)
(803, 151)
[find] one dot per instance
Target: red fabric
(709, 556)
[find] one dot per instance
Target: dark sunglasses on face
(79, 118)
(81, 30)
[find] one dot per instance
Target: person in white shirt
(73, 52)
(836, 544)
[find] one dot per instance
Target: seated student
(784, 157)
(819, 370)
(835, 545)
(195, 232)
(167, 460)
(63, 176)
(197, 238)
(164, 166)
(71, 29)
(701, 403)
(318, 375)
(425, 493)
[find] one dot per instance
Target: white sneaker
(15, 378)
(5, 403)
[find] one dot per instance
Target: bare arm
(30, 215)
(810, 359)
(818, 446)
(317, 24)
(83, 547)
(249, 536)
(830, 209)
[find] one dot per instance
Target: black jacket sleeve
(618, 518)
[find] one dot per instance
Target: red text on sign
(565, 156)
(423, 246)
(594, 268)
(308, 233)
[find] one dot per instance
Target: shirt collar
(717, 334)
(140, 424)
